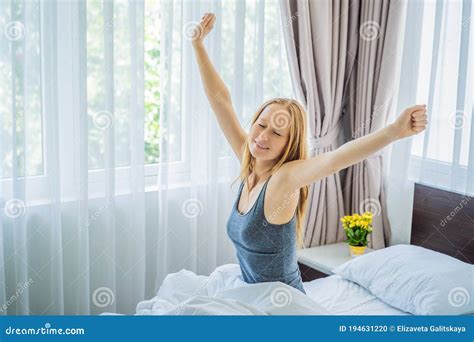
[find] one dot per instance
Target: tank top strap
(261, 196)
(241, 186)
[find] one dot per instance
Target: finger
(419, 124)
(418, 121)
(419, 129)
(209, 24)
(212, 20)
(206, 19)
(419, 118)
(418, 113)
(209, 18)
(417, 107)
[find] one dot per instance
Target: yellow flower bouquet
(357, 227)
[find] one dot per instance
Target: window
(20, 106)
(438, 69)
(21, 122)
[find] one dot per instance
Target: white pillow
(414, 279)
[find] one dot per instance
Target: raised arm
(299, 173)
(217, 93)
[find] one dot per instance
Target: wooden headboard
(443, 221)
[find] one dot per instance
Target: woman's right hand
(203, 29)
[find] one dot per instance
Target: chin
(257, 154)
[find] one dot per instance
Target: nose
(263, 136)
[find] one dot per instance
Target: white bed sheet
(225, 293)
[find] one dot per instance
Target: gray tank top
(266, 251)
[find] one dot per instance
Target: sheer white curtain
(247, 49)
(444, 156)
(95, 212)
(72, 150)
(437, 69)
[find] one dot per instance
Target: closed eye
(261, 125)
(277, 134)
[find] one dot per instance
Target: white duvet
(225, 293)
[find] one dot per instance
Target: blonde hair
(295, 149)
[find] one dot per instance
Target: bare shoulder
(280, 203)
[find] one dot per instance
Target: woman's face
(270, 133)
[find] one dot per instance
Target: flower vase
(357, 250)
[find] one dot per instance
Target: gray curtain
(371, 102)
(327, 42)
(321, 40)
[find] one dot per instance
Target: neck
(262, 168)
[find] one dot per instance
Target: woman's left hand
(412, 121)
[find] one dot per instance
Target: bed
(225, 293)
(427, 277)
(397, 280)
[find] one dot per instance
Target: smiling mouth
(260, 146)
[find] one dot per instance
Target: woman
(266, 223)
